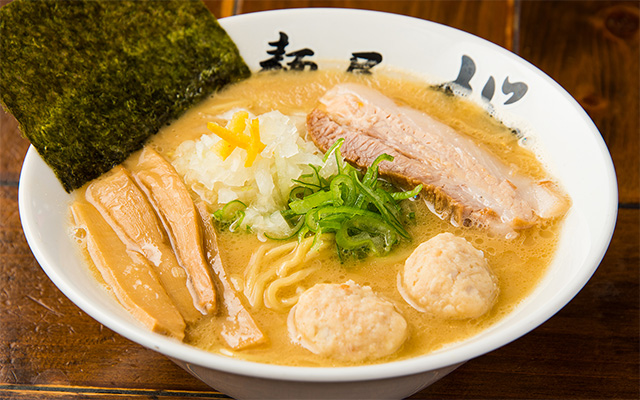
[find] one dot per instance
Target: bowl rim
(416, 365)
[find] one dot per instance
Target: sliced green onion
(311, 221)
(312, 186)
(299, 192)
(335, 147)
(368, 234)
(231, 214)
(330, 225)
(238, 221)
(313, 200)
(343, 190)
(408, 194)
(389, 203)
(296, 230)
(322, 183)
(371, 176)
(326, 211)
(379, 203)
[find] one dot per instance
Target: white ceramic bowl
(565, 137)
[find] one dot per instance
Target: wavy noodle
(301, 250)
(256, 292)
(253, 267)
(255, 281)
(272, 269)
(271, 298)
(278, 251)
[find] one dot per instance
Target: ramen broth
(518, 264)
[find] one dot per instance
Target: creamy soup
(517, 263)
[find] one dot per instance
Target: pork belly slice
(172, 201)
(462, 181)
(129, 275)
(126, 208)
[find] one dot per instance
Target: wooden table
(51, 349)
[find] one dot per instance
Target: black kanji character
(297, 64)
(371, 59)
(277, 53)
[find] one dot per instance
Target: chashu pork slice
(462, 181)
(173, 203)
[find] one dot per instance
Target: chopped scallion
(364, 215)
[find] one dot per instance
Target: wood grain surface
(49, 349)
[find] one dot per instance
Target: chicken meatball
(346, 322)
(448, 277)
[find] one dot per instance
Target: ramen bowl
(564, 138)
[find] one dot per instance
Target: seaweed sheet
(90, 81)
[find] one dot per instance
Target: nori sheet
(89, 81)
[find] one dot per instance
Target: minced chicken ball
(448, 277)
(346, 322)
